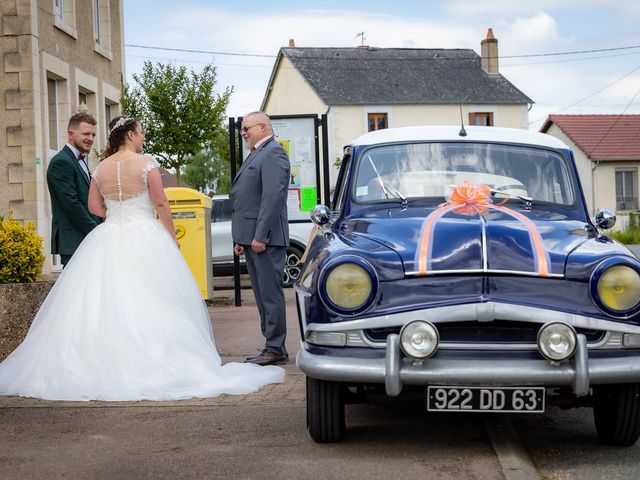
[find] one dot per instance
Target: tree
(209, 171)
(179, 110)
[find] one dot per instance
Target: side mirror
(605, 219)
(320, 215)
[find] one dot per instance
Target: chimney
(292, 43)
(489, 53)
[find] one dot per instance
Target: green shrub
(21, 256)
(628, 237)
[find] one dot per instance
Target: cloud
(521, 27)
(316, 28)
(264, 33)
(536, 33)
(507, 8)
(623, 90)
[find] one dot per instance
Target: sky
(536, 40)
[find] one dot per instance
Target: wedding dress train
(125, 321)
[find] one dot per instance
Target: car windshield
(430, 170)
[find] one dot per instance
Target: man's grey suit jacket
(259, 197)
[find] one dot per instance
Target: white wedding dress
(125, 319)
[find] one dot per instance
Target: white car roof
(451, 133)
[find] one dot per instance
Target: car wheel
(325, 410)
(616, 412)
(292, 266)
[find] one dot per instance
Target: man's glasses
(246, 129)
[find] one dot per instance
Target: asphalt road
(236, 440)
(263, 435)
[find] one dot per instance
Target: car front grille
(496, 332)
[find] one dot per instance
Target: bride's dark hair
(118, 128)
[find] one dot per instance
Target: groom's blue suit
(259, 198)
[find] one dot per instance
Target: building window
(58, 8)
(96, 20)
(64, 16)
(102, 27)
(483, 119)
(111, 110)
(107, 114)
(86, 101)
(377, 121)
(626, 189)
(52, 103)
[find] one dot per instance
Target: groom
(68, 179)
(260, 229)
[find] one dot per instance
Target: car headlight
(615, 287)
(557, 341)
(419, 339)
(348, 285)
(619, 288)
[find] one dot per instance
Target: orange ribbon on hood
(470, 199)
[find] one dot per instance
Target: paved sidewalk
(237, 334)
(257, 436)
(196, 438)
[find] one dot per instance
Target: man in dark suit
(260, 229)
(68, 179)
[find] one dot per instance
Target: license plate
(485, 399)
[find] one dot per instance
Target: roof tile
(601, 137)
(371, 76)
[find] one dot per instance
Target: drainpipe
(326, 159)
(594, 165)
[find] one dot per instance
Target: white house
(365, 88)
(607, 153)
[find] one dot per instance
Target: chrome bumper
(396, 370)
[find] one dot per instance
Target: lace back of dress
(123, 177)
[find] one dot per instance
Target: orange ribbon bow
(471, 198)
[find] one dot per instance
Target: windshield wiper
(394, 193)
(402, 197)
(528, 201)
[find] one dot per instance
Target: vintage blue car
(462, 266)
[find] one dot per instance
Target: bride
(125, 319)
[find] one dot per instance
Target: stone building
(58, 57)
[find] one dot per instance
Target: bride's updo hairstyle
(118, 128)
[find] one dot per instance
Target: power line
(614, 124)
(320, 57)
(185, 60)
(576, 52)
(502, 65)
(208, 52)
(592, 94)
(568, 60)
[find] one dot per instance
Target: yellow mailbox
(191, 212)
